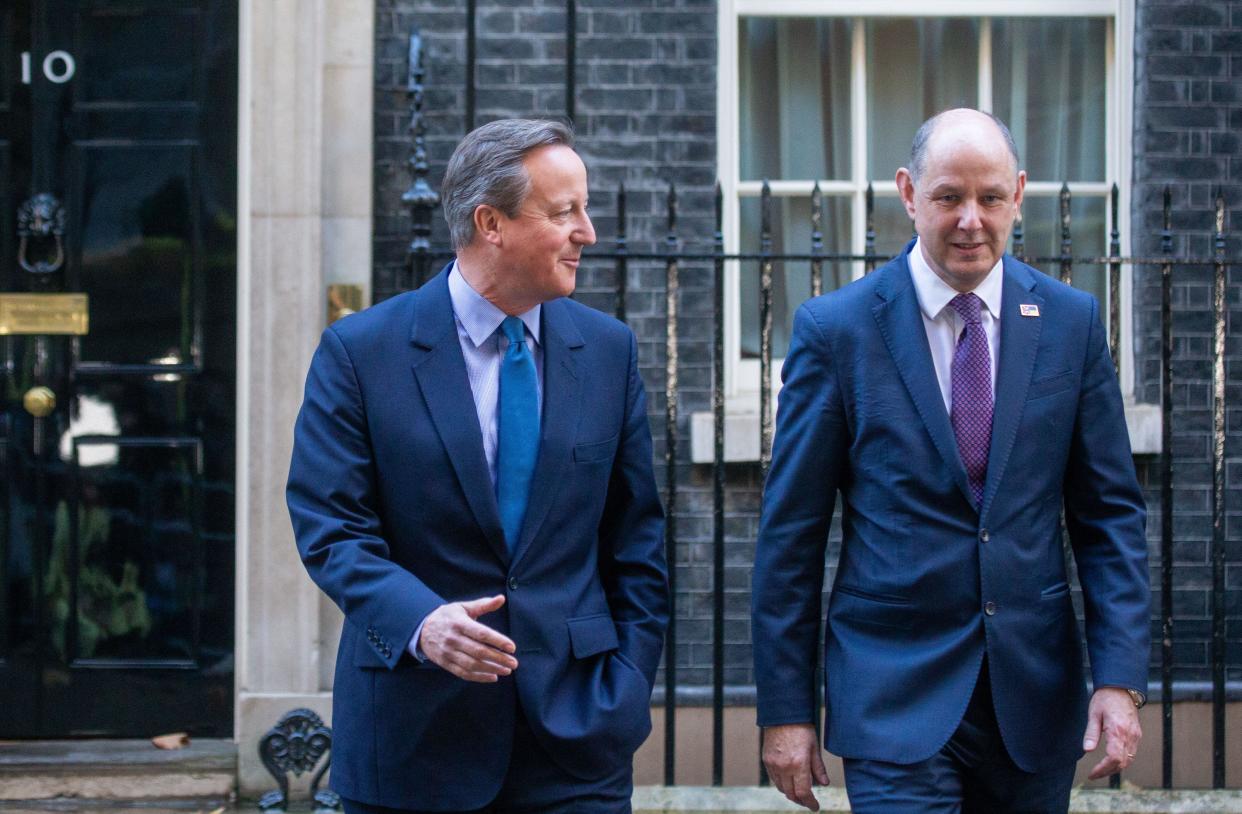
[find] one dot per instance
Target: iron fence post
(1067, 260)
(1166, 492)
(1218, 498)
(670, 471)
(420, 197)
(718, 497)
(622, 250)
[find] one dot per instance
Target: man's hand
(453, 639)
(1113, 714)
(791, 755)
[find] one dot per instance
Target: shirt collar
(478, 316)
(934, 293)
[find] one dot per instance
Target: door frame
(306, 84)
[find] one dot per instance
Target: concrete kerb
(756, 800)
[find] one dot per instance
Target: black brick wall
(1187, 116)
(645, 117)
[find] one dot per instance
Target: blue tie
(518, 430)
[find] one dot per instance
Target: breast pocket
(1050, 385)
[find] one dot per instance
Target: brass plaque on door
(44, 314)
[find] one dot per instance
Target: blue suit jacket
(394, 513)
(907, 623)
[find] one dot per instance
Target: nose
(968, 218)
(585, 233)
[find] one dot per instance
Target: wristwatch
(1137, 697)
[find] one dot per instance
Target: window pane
(893, 227)
(915, 69)
(791, 281)
(1049, 87)
(794, 98)
(1088, 229)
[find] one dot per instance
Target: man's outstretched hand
(452, 638)
(791, 756)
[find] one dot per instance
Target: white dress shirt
(943, 324)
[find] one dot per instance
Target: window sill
(742, 431)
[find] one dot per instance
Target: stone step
(203, 773)
(68, 806)
(754, 800)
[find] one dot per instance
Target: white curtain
(795, 124)
(1049, 86)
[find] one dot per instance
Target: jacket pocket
(1050, 385)
(1053, 591)
(886, 599)
(590, 635)
(595, 450)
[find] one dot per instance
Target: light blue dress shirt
(483, 345)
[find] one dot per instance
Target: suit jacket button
(984, 536)
(513, 583)
(989, 608)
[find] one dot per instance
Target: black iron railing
(424, 259)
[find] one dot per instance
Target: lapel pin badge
(1028, 310)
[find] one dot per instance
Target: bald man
(959, 400)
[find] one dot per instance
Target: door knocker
(41, 217)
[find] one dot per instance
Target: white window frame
(742, 375)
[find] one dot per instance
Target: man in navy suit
(471, 483)
(958, 400)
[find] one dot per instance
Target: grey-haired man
(472, 485)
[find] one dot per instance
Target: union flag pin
(1028, 310)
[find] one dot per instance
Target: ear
(905, 187)
(1017, 196)
(488, 222)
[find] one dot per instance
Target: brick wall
(645, 116)
(1187, 119)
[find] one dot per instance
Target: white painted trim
(858, 141)
(1122, 148)
(728, 136)
(885, 187)
(922, 8)
(1053, 188)
(742, 375)
(781, 189)
(742, 430)
(985, 65)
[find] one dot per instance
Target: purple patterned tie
(972, 393)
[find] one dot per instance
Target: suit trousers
(971, 774)
(535, 784)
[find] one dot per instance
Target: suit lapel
(440, 370)
(561, 405)
(1019, 340)
(901, 323)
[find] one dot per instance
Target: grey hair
(486, 168)
(918, 150)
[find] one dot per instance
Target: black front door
(118, 181)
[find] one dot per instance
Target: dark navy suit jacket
(394, 513)
(927, 583)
